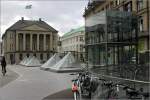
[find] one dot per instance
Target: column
(37, 42)
(31, 40)
(17, 42)
(51, 41)
(24, 41)
(44, 42)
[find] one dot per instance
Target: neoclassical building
(29, 38)
(74, 41)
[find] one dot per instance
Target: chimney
(40, 19)
(22, 18)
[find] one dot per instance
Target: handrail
(107, 76)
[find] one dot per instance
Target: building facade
(74, 41)
(140, 7)
(116, 31)
(29, 38)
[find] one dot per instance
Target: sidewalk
(10, 76)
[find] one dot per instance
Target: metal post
(136, 41)
(148, 19)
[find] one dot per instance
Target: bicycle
(136, 94)
(76, 89)
(81, 85)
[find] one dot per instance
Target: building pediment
(35, 28)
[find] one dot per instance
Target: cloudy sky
(63, 15)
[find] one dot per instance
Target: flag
(28, 7)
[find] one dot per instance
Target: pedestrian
(3, 64)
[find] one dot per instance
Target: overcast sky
(63, 15)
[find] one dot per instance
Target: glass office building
(111, 39)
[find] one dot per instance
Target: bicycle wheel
(112, 95)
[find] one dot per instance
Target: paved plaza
(10, 76)
(31, 83)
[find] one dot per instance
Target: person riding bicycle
(3, 64)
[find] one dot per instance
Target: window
(10, 47)
(81, 38)
(111, 4)
(128, 7)
(141, 23)
(34, 46)
(77, 47)
(41, 56)
(48, 56)
(139, 4)
(81, 47)
(20, 56)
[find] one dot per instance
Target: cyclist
(3, 64)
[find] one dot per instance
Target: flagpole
(28, 8)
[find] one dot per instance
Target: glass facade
(111, 39)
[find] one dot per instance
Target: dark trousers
(3, 68)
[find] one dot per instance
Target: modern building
(29, 38)
(74, 41)
(140, 7)
(116, 31)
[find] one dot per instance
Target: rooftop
(23, 23)
(73, 31)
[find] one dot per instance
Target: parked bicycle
(76, 89)
(136, 94)
(87, 85)
(81, 85)
(131, 93)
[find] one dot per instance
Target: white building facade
(74, 41)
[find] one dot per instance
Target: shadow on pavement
(62, 95)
